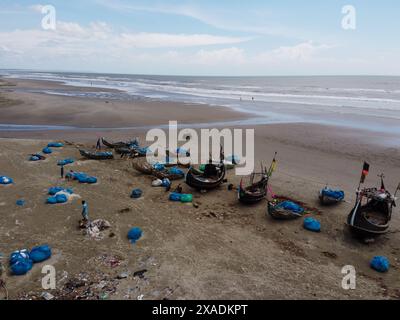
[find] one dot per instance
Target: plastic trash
(135, 234)
(40, 253)
(20, 202)
(312, 224)
(166, 183)
(47, 150)
(175, 197)
(186, 198)
(136, 193)
(6, 180)
(157, 183)
(55, 145)
(380, 264)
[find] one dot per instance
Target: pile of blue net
(290, 206)
(312, 224)
(65, 162)
(4, 180)
(81, 177)
(159, 167)
(21, 262)
(55, 145)
(136, 193)
(176, 171)
(380, 264)
(134, 234)
(334, 194)
(58, 195)
(47, 150)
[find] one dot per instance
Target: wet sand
(220, 250)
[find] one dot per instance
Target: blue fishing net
(335, 194)
(290, 206)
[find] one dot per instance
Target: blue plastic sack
(54, 190)
(176, 171)
(335, 194)
(20, 202)
(159, 167)
(380, 264)
(291, 206)
(6, 180)
(312, 224)
(21, 267)
(40, 253)
(135, 234)
(65, 162)
(20, 262)
(166, 183)
(51, 200)
(55, 145)
(34, 158)
(47, 150)
(19, 255)
(175, 197)
(91, 180)
(61, 198)
(137, 193)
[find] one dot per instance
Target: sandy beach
(220, 250)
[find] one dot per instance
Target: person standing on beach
(85, 211)
(62, 172)
(98, 145)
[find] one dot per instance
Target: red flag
(365, 172)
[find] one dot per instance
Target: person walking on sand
(98, 145)
(62, 172)
(85, 211)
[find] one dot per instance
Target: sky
(203, 37)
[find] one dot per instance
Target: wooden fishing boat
(372, 213)
(96, 155)
(212, 177)
(276, 211)
(146, 168)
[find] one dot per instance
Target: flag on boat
(365, 172)
(273, 166)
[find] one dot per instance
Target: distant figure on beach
(62, 172)
(98, 145)
(252, 98)
(85, 211)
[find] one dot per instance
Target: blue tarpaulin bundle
(47, 150)
(312, 224)
(81, 177)
(135, 234)
(5, 180)
(233, 158)
(334, 194)
(55, 145)
(54, 190)
(176, 171)
(159, 167)
(20, 202)
(380, 264)
(174, 196)
(40, 253)
(65, 162)
(136, 193)
(34, 158)
(166, 183)
(20, 262)
(290, 206)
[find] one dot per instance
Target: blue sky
(207, 37)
